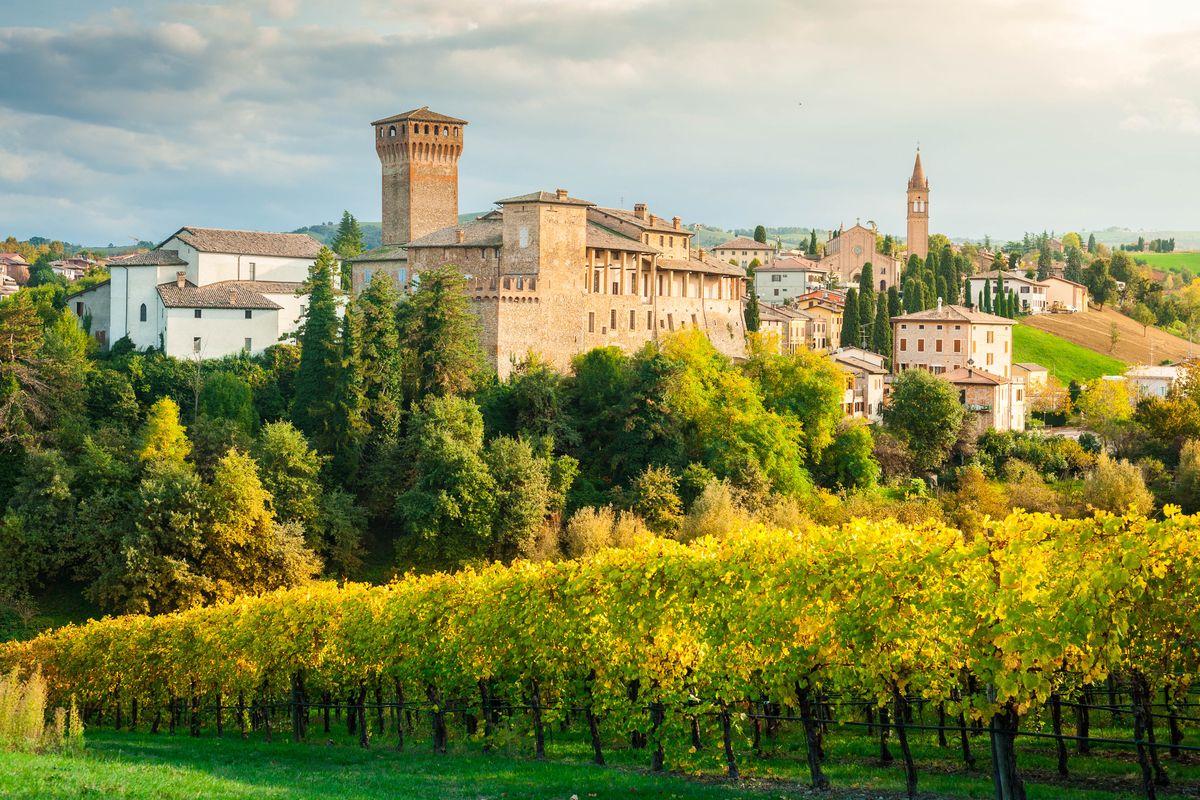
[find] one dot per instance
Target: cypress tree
(347, 430)
(812, 242)
(911, 295)
(850, 320)
(320, 355)
(986, 303)
(893, 301)
(347, 243)
(941, 289)
(881, 333)
(929, 291)
(753, 318)
(760, 234)
(866, 309)
(866, 279)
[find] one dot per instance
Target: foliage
(850, 462)
(1116, 485)
(320, 355)
(226, 396)
(23, 719)
(656, 500)
(163, 438)
(925, 413)
(439, 336)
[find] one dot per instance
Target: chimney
(939, 304)
(701, 253)
(180, 279)
(460, 235)
(653, 219)
(561, 194)
(639, 210)
(232, 295)
(675, 221)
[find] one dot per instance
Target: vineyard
(1040, 627)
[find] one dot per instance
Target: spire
(918, 179)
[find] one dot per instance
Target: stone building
(743, 250)
(827, 306)
(546, 272)
(849, 249)
(863, 393)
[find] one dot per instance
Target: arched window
(455, 131)
(142, 313)
(445, 130)
(427, 129)
(436, 131)
(882, 285)
(392, 130)
(416, 128)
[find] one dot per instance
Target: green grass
(163, 767)
(1171, 262)
(1065, 360)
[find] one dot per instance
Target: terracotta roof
(824, 295)
(424, 114)
(953, 314)
(744, 243)
(603, 238)
(250, 243)
(154, 258)
(707, 265)
(389, 252)
(918, 179)
(975, 376)
(792, 264)
(222, 294)
(476, 233)
(13, 258)
(652, 222)
(545, 197)
(858, 363)
(1009, 275)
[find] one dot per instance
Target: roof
(1008, 275)
(250, 243)
(953, 313)
(708, 264)
(424, 114)
(1029, 366)
(602, 238)
(14, 258)
(389, 252)
(824, 295)
(1160, 371)
(744, 243)
(91, 288)
(476, 233)
(918, 179)
(651, 222)
(974, 376)
(154, 258)
(546, 197)
(858, 363)
(793, 264)
(1064, 280)
(225, 294)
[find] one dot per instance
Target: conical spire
(918, 180)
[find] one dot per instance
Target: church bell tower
(918, 210)
(418, 151)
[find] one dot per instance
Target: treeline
(1153, 246)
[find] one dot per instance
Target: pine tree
(439, 336)
(850, 320)
(380, 357)
(881, 334)
(812, 243)
(344, 437)
(753, 320)
(347, 243)
(320, 354)
(1074, 268)
(760, 234)
(1043, 262)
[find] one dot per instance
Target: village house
(788, 278)
(744, 250)
(864, 390)
(1152, 381)
(202, 293)
(1063, 295)
(791, 328)
(15, 266)
(547, 273)
(1030, 293)
(994, 402)
(827, 306)
(1034, 375)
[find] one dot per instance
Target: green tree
(527, 494)
(226, 396)
(348, 243)
(850, 463)
(1117, 486)
(850, 331)
(866, 280)
(1142, 315)
(290, 471)
(35, 528)
(753, 320)
(1074, 268)
(23, 394)
(1044, 262)
(109, 398)
(343, 438)
(320, 352)
(656, 500)
(812, 243)
(925, 414)
(804, 386)
(894, 307)
(987, 297)
(439, 336)
(1091, 243)
(1100, 283)
(881, 335)
(912, 296)
(760, 234)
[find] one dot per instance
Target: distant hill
(324, 232)
(1184, 240)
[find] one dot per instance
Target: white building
(1155, 381)
(203, 292)
(788, 278)
(1030, 293)
(862, 395)
(744, 250)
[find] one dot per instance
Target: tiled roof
(1064, 280)
(792, 265)
(389, 252)
(1029, 366)
(953, 314)
(652, 222)
(977, 376)
(13, 258)
(424, 114)
(707, 265)
(250, 243)
(1008, 275)
(602, 238)
(222, 294)
(858, 363)
(545, 197)
(476, 233)
(154, 258)
(744, 243)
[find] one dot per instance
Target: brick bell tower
(918, 210)
(419, 153)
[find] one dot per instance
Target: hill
(1066, 360)
(1170, 262)
(1093, 330)
(324, 232)
(1184, 240)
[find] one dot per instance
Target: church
(849, 249)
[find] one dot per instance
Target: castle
(546, 272)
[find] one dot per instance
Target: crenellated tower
(418, 151)
(918, 210)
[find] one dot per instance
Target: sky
(127, 121)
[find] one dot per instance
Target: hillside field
(1065, 360)
(1171, 262)
(1092, 330)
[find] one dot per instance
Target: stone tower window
(445, 130)
(391, 131)
(426, 129)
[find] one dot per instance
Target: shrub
(715, 513)
(590, 530)
(23, 724)
(1117, 486)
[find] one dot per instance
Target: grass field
(1065, 360)
(141, 766)
(1171, 262)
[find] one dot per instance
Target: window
(196, 313)
(253, 270)
(991, 358)
(1020, 394)
(79, 309)
(141, 313)
(958, 345)
(249, 314)
(591, 322)
(632, 320)
(991, 337)
(195, 344)
(938, 345)
(671, 321)
(596, 282)
(695, 324)
(649, 320)
(903, 344)
(920, 345)
(612, 319)
(776, 278)
(248, 345)
(777, 293)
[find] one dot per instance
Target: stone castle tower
(419, 152)
(918, 210)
